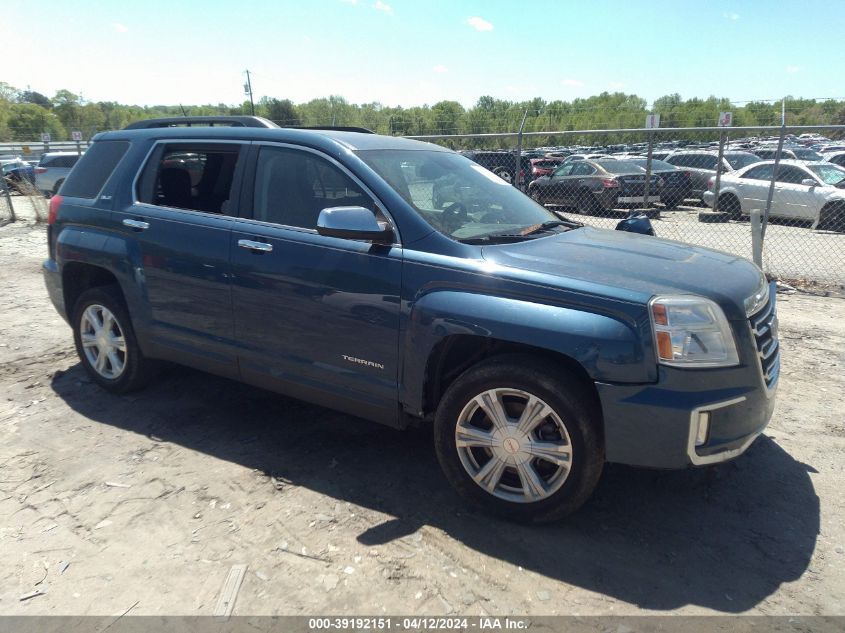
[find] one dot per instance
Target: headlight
(755, 302)
(692, 332)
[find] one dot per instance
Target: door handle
(138, 225)
(258, 247)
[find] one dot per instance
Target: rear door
(753, 189)
(315, 316)
(180, 220)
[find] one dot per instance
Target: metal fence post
(718, 182)
(757, 237)
(647, 191)
(772, 182)
(517, 177)
(8, 197)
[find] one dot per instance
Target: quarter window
(293, 186)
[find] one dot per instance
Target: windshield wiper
(545, 226)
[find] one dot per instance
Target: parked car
(677, 185)
(803, 191)
(791, 153)
(576, 157)
(52, 170)
(503, 164)
(595, 185)
(543, 167)
(313, 263)
(16, 174)
(702, 164)
(837, 158)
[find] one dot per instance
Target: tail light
(55, 203)
(609, 183)
(535, 171)
(40, 170)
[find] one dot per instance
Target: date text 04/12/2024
(487, 623)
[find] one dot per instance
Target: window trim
(248, 190)
(237, 176)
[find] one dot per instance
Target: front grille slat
(768, 347)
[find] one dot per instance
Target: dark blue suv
(401, 282)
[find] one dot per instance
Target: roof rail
(189, 121)
(335, 128)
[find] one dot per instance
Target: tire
(534, 192)
(671, 203)
(124, 367)
(570, 424)
(729, 203)
(832, 218)
(585, 203)
(504, 173)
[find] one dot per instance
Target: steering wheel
(454, 216)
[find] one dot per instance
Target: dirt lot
(143, 503)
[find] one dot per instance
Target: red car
(544, 166)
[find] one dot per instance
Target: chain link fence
(716, 187)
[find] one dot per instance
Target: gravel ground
(145, 502)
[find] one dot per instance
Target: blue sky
(411, 52)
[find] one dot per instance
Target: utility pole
(783, 112)
(248, 91)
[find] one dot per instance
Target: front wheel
(519, 438)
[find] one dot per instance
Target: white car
(803, 191)
(837, 158)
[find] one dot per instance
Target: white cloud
(574, 83)
(381, 6)
(479, 24)
(120, 28)
(440, 68)
(793, 69)
(730, 16)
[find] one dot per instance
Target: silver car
(803, 191)
(52, 170)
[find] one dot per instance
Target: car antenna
(184, 114)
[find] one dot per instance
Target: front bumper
(656, 425)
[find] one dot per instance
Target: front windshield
(456, 196)
(738, 161)
(830, 174)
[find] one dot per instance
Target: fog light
(703, 428)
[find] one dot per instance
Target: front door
(316, 317)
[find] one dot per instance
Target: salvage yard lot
(144, 502)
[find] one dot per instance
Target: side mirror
(809, 182)
(353, 223)
(636, 224)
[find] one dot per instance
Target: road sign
(76, 135)
(652, 121)
(726, 119)
(45, 137)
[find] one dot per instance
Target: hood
(633, 267)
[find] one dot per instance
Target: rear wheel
(106, 343)
(519, 438)
(729, 203)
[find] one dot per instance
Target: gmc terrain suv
(317, 264)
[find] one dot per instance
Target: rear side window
(95, 168)
(189, 176)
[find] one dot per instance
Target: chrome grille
(764, 327)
